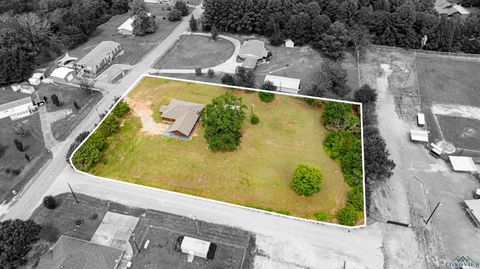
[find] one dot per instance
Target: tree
(211, 73)
(277, 39)
(49, 202)
(365, 95)
(182, 7)
(193, 24)
(78, 140)
(335, 40)
(55, 100)
(222, 120)
(269, 86)
(121, 109)
(254, 119)
(359, 37)
(137, 7)
(244, 77)
(27, 157)
(86, 85)
(355, 198)
(227, 79)
(330, 78)
(347, 216)
(76, 105)
(18, 145)
(174, 15)
(143, 24)
(336, 115)
(306, 180)
(214, 32)
(378, 165)
(17, 237)
(266, 97)
(198, 71)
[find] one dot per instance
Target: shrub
(182, 7)
(78, 222)
(110, 125)
(76, 105)
(198, 71)
(355, 198)
(211, 73)
(55, 100)
(49, 202)
(322, 216)
(19, 145)
(268, 86)
(228, 79)
(347, 216)
(306, 180)
(94, 216)
(121, 109)
(174, 15)
(193, 24)
(277, 39)
(78, 140)
(254, 119)
(266, 96)
(214, 32)
(365, 95)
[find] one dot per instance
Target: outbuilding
(36, 78)
(63, 75)
(100, 56)
(289, 43)
(462, 164)
(196, 247)
(126, 28)
(419, 135)
(284, 84)
(17, 109)
(23, 88)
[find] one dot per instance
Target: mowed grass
(196, 51)
(258, 174)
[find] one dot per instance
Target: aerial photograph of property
(249, 134)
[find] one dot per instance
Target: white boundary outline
(222, 202)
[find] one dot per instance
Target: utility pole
(74, 196)
(433, 212)
(196, 224)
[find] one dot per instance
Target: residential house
(289, 43)
(182, 115)
(23, 87)
(284, 84)
(126, 28)
(63, 75)
(36, 78)
(100, 56)
(17, 109)
(445, 7)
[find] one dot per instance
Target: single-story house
(101, 55)
(74, 253)
(419, 135)
(196, 247)
(17, 109)
(462, 164)
(473, 211)
(23, 87)
(126, 28)
(284, 84)
(289, 43)
(66, 60)
(183, 116)
(63, 75)
(249, 63)
(253, 49)
(445, 7)
(36, 78)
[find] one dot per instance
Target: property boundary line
(217, 201)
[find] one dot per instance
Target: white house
(17, 109)
(24, 88)
(63, 75)
(284, 84)
(196, 247)
(98, 57)
(36, 78)
(127, 27)
(289, 43)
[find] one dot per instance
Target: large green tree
(16, 239)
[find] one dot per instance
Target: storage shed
(462, 164)
(419, 135)
(284, 84)
(63, 75)
(196, 247)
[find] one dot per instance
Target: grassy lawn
(447, 81)
(196, 51)
(258, 174)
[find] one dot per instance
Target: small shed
(289, 43)
(63, 75)
(284, 84)
(24, 88)
(196, 247)
(419, 135)
(462, 164)
(421, 119)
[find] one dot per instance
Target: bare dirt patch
(144, 112)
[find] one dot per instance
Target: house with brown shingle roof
(74, 253)
(183, 116)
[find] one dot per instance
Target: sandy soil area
(144, 112)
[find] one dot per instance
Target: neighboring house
(74, 253)
(63, 75)
(249, 63)
(17, 109)
(67, 60)
(23, 87)
(127, 27)
(253, 49)
(36, 78)
(100, 56)
(445, 7)
(284, 84)
(289, 43)
(183, 116)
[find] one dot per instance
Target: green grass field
(258, 174)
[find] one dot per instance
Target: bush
(365, 95)
(214, 33)
(339, 116)
(49, 202)
(19, 145)
(322, 216)
(198, 71)
(78, 140)
(306, 180)
(182, 7)
(347, 216)
(266, 96)
(254, 119)
(174, 15)
(355, 198)
(227, 79)
(55, 100)
(76, 105)
(268, 86)
(94, 216)
(121, 109)
(17, 238)
(193, 24)
(211, 73)
(109, 126)
(277, 39)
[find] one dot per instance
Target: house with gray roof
(182, 115)
(98, 57)
(17, 109)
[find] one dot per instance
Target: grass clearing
(258, 173)
(196, 51)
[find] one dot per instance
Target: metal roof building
(102, 54)
(419, 135)
(284, 84)
(462, 164)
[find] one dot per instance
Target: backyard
(257, 174)
(196, 51)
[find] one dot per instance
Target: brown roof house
(183, 117)
(73, 253)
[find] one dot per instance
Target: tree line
(332, 25)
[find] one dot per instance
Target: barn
(100, 56)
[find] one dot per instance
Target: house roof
(73, 253)
(419, 135)
(19, 102)
(61, 72)
(197, 246)
(128, 24)
(66, 58)
(96, 56)
(283, 82)
(23, 86)
(445, 7)
(254, 49)
(462, 163)
(250, 63)
(184, 113)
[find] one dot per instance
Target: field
(10, 157)
(450, 96)
(196, 51)
(235, 247)
(257, 174)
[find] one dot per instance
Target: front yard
(257, 174)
